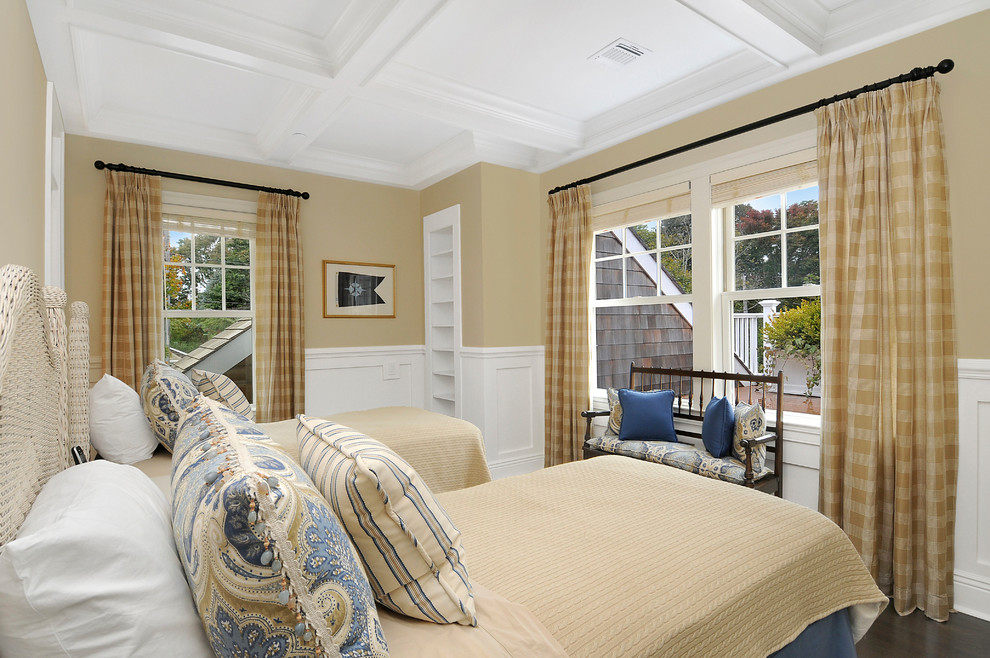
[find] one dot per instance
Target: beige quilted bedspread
(448, 453)
(671, 564)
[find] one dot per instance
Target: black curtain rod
(100, 164)
(944, 66)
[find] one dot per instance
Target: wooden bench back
(693, 389)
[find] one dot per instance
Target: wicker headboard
(44, 383)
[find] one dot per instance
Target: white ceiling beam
(403, 22)
(354, 27)
(211, 33)
(805, 20)
(780, 39)
(410, 89)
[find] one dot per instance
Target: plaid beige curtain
(890, 428)
(133, 258)
(567, 344)
(278, 348)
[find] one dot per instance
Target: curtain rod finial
(945, 66)
(100, 164)
(305, 195)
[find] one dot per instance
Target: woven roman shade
(664, 202)
(746, 188)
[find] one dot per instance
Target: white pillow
(118, 426)
(94, 572)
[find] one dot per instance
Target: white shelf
(441, 261)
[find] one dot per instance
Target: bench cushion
(684, 456)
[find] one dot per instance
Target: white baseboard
(972, 594)
(518, 466)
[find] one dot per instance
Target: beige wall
(22, 141)
(965, 99)
(464, 188)
(501, 261)
(342, 220)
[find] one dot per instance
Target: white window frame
(219, 209)
(677, 300)
(711, 245)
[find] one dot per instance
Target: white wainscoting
(503, 395)
(972, 567)
(342, 379)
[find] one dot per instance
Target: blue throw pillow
(718, 427)
(648, 416)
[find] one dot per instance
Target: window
(209, 313)
(774, 294)
(738, 294)
(643, 284)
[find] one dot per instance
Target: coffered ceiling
(407, 92)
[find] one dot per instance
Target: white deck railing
(746, 328)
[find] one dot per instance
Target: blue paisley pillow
(165, 394)
(751, 423)
(271, 570)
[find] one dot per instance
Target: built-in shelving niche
(442, 287)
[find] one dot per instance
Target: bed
(605, 557)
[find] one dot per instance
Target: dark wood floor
(919, 637)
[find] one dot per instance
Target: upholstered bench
(737, 444)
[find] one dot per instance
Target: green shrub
(797, 333)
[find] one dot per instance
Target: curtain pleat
(567, 337)
(890, 410)
(279, 346)
(133, 254)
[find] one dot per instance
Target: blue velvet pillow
(648, 416)
(718, 427)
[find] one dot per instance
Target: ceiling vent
(619, 53)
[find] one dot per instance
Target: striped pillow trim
(222, 389)
(411, 549)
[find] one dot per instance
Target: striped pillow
(222, 389)
(410, 548)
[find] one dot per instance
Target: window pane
(758, 263)
(641, 275)
(230, 341)
(676, 276)
(802, 207)
(177, 247)
(238, 290)
(675, 231)
(758, 216)
(208, 249)
(238, 251)
(178, 287)
(607, 244)
(802, 258)
(650, 335)
(781, 336)
(608, 279)
(209, 291)
(642, 237)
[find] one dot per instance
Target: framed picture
(358, 290)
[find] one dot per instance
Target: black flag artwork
(358, 289)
